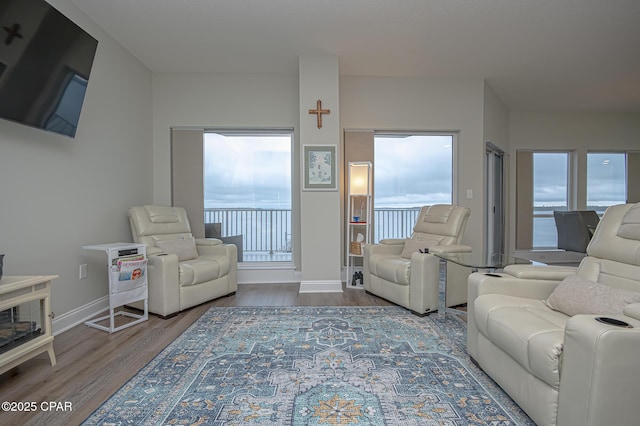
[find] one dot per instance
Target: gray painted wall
(58, 194)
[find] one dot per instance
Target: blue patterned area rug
(313, 366)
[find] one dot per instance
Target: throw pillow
(185, 248)
(412, 245)
(575, 296)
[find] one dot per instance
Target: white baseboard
(321, 286)
(79, 315)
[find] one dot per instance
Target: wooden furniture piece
(359, 206)
(127, 265)
(25, 319)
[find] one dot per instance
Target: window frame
(577, 189)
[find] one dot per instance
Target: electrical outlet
(84, 270)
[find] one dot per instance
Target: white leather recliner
(182, 271)
(396, 270)
(535, 330)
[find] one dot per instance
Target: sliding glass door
(410, 171)
(247, 191)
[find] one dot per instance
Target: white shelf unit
(359, 206)
(125, 286)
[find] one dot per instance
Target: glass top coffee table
(473, 260)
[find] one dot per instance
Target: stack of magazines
(130, 272)
(131, 269)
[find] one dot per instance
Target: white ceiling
(538, 55)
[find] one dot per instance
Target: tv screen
(45, 63)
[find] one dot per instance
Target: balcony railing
(262, 230)
(394, 222)
(269, 230)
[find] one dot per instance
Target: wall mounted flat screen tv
(45, 63)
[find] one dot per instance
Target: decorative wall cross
(319, 111)
(12, 33)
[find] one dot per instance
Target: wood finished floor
(93, 364)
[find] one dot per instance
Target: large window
(410, 171)
(247, 190)
(606, 180)
(550, 192)
(548, 181)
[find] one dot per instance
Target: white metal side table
(127, 268)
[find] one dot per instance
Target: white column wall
(320, 210)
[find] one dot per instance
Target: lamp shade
(359, 178)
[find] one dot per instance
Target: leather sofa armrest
(164, 286)
(221, 249)
(208, 241)
(480, 283)
(540, 272)
(632, 310)
(599, 372)
(425, 273)
(369, 249)
(230, 251)
(162, 260)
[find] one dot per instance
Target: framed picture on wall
(319, 168)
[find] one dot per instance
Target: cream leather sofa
(182, 271)
(561, 365)
(396, 270)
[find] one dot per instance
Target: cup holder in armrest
(613, 321)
